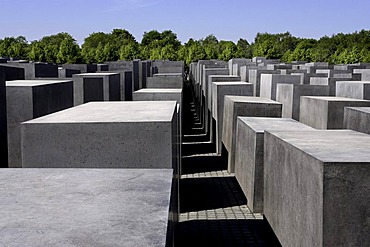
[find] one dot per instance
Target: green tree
(243, 49)
(69, 51)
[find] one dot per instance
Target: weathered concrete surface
(140, 134)
(96, 87)
(357, 118)
(85, 207)
(219, 91)
(326, 112)
(235, 106)
(12, 73)
(289, 95)
(121, 65)
(317, 187)
(158, 94)
(269, 83)
(255, 78)
(353, 89)
(218, 78)
(3, 121)
(164, 67)
(173, 80)
(28, 99)
(35, 70)
(249, 153)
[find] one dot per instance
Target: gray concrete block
(357, 118)
(3, 122)
(255, 79)
(353, 89)
(166, 67)
(269, 83)
(119, 65)
(158, 94)
(365, 74)
(136, 74)
(85, 207)
(83, 68)
(13, 73)
(235, 106)
(326, 112)
(102, 67)
(139, 134)
(67, 73)
(306, 77)
(218, 78)
(316, 187)
(219, 91)
(35, 70)
(96, 87)
(174, 80)
(331, 82)
(289, 95)
(28, 99)
(249, 153)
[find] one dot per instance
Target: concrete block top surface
(33, 83)
(262, 124)
(227, 83)
(159, 90)
(96, 74)
(329, 146)
(250, 99)
(168, 74)
(360, 109)
(119, 112)
(355, 82)
(333, 98)
(84, 207)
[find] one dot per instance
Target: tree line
(120, 44)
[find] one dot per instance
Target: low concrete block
(219, 91)
(139, 134)
(326, 112)
(174, 80)
(96, 87)
(357, 118)
(353, 89)
(235, 106)
(269, 83)
(28, 99)
(86, 207)
(289, 95)
(316, 187)
(249, 153)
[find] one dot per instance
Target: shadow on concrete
(197, 164)
(197, 194)
(225, 233)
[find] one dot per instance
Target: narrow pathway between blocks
(213, 209)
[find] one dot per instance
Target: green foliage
(99, 47)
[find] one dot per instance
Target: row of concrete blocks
(94, 135)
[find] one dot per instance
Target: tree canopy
(120, 44)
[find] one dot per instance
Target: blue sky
(226, 19)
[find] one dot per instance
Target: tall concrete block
(326, 112)
(316, 187)
(144, 73)
(96, 87)
(249, 153)
(86, 207)
(3, 122)
(353, 89)
(269, 83)
(235, 106)
(136, 74)
(357, 118)
(218, 78)
(219, 91)
(289, 95)
(255, 79)
(139, 134)
(28, 99)
(175, 80)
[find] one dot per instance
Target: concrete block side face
(46, 70)
(336, 112)
(227, 125)
(346, 224)
(3, 121)
(126, 145)
(306, 90)
(356, 120)
(314, 112)
(266, 86)
(52, 98)
(127, 86)
(19, 109)
(114, 88)
(284, 95)
(93, 89)
(293, 193)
